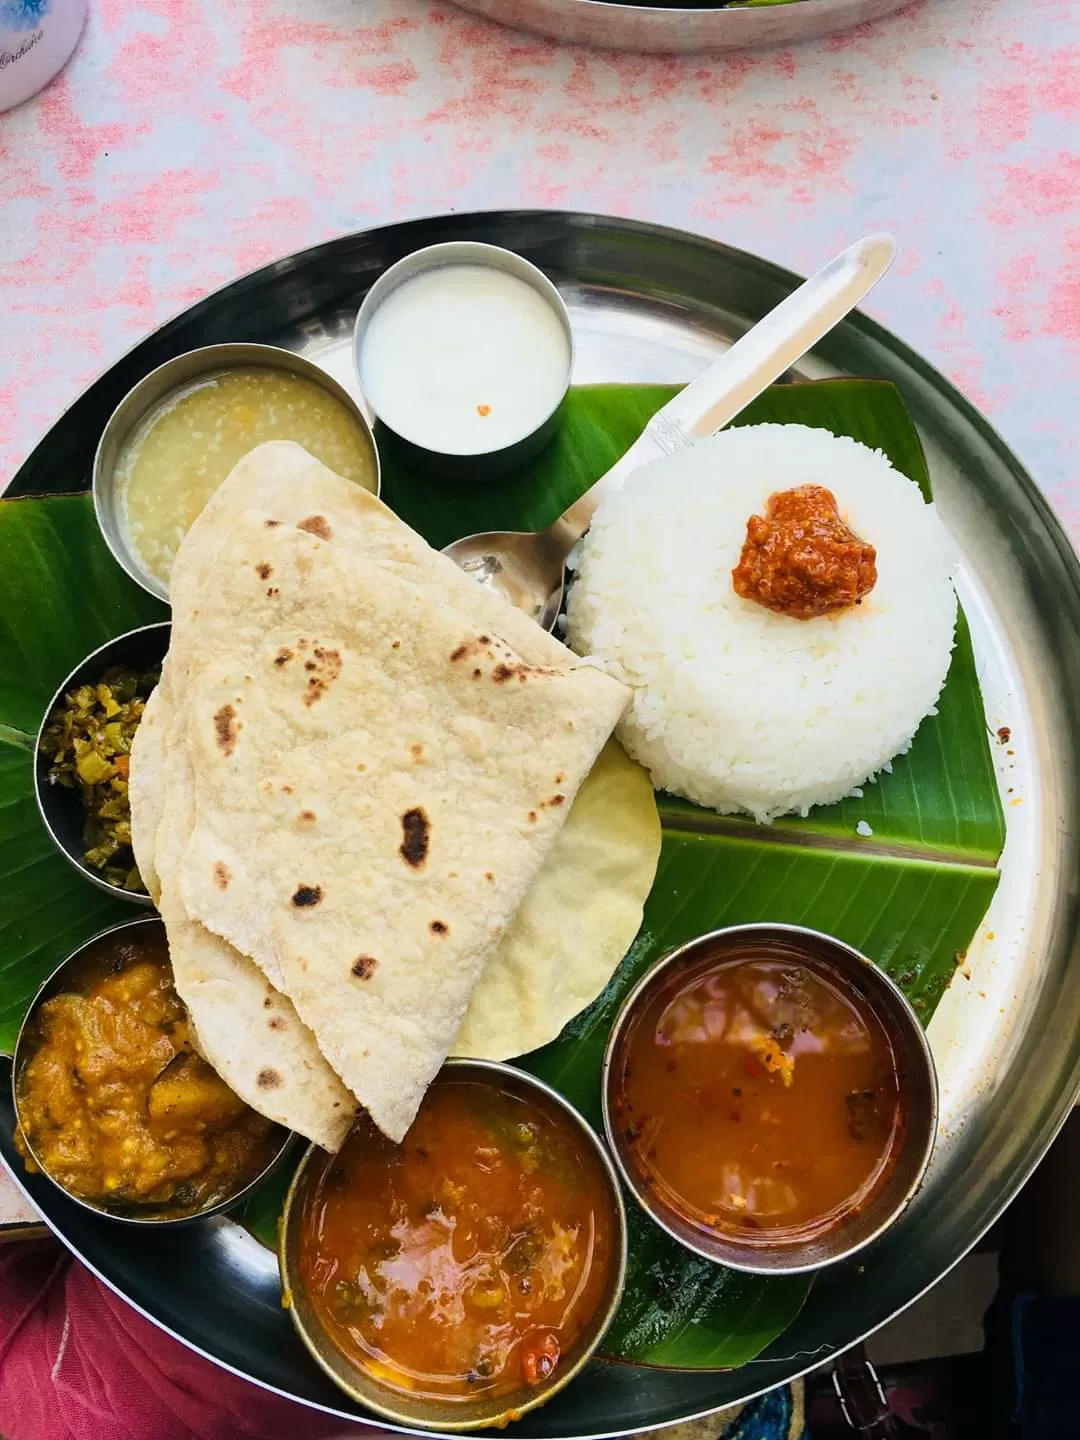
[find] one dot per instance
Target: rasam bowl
(752, 1246)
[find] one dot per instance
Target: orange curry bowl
(770, 1098)
(462, 1277)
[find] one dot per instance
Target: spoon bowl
(526, 568)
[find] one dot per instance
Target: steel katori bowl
(417, 1411)
(470, 464)
(809, 1247)
(169, 382)
(72, 976)
(60, 806)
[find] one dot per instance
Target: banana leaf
(911, 895)
(61, 596)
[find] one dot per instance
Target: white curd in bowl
(464, 359)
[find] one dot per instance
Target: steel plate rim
(1055, 1111)
(768, 269)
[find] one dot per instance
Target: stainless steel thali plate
(649, 304)
(681, 28)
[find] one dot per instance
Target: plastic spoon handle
(780, 339)
(747, 368)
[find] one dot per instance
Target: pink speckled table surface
(189, 141)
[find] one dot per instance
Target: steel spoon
(528, 568)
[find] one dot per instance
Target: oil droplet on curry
(468, 1260)
(116, 1105)
(754, 1095)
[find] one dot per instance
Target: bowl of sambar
(463, 1277)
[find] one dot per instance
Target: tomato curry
(754, 1094)
(468, 1260)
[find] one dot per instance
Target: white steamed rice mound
(736, 707)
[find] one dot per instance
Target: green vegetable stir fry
(88, 739)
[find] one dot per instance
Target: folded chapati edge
(242, 1026)
(503, 753)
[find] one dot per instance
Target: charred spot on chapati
(268, 1079)
(268, 1002)
(283, 656)
(275, 1022)
(325, 668)
(306, 895)
(416, 750)
(363, 967)
(468, 648)
(264, 571)
(504, 672)
(222, 875)
(226, 728)
(317, 525)
(395, 645)
(416, 828)
(439, 927)
(532, 817)
(307, 817)
(489, 877)
(553, 801)
(271, 523)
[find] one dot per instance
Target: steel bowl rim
(229, 1202)
(222, 355)
(906, 1016)
(131, 897)
(617, 1283)
(438, 254)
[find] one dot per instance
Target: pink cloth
(77, 1363)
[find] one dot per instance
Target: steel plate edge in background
(680, 29)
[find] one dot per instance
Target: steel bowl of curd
(464, 353)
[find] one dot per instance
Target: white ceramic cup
(36, 41)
